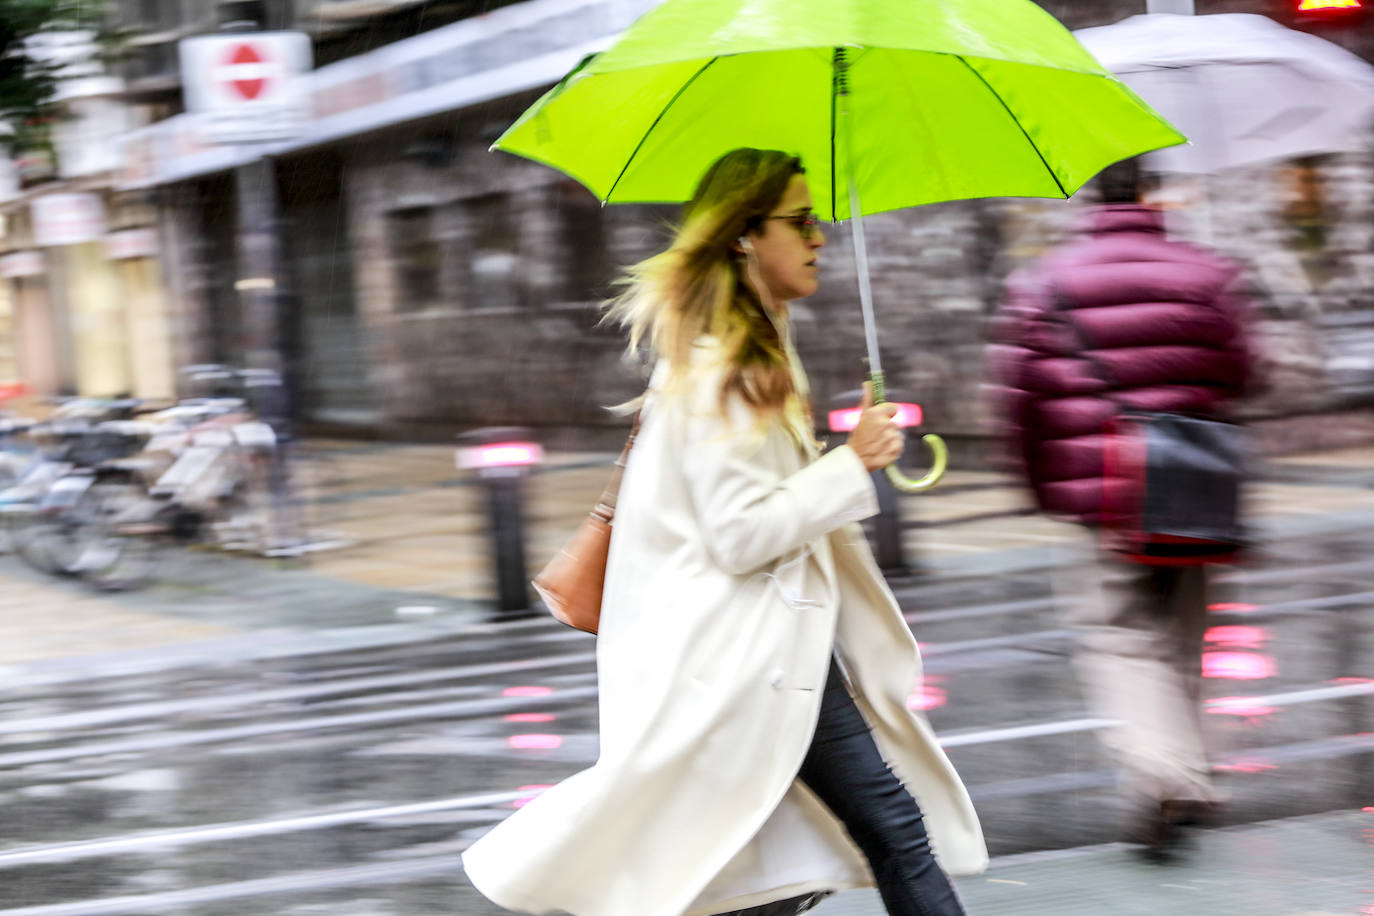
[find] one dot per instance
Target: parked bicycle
(44, 507)
(204, 477)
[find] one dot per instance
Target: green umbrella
(889, 103)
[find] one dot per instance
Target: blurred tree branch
(26, 85)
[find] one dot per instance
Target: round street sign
(246, 87)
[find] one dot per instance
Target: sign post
(245, 87)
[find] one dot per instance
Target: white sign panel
(246, 87)
(131, 243)
(22, 264)
(67, 219)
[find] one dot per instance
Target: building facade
(82, 309)
(429, 286)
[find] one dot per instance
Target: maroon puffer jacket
(1160, 315)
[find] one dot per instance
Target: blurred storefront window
(495, 257)
(415, 252)
(587, 271)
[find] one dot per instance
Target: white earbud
(745, 244)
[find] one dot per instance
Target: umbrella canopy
(945, 101)
(890, 103)
(1244, 88)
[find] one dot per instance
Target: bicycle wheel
(40, 541)
(115, 553)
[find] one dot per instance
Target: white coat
(736, 566)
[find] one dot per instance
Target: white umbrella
(1242, 87)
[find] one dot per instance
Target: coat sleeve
(749, 513)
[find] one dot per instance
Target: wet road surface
(348, 780)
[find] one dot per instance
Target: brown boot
(1190, 812)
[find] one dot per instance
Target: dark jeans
(846, 772)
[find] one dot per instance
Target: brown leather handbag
(572, 582)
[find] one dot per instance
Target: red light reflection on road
(527, 691)
(535, 742)
(537, 790)
(927, 695)
(1237, 666)
(531, 717)
(1237, 637)
(1232, 607)
(1245, 707)
(1246, 766)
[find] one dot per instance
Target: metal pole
(259, 263)
(1179, 7)
(260, 295)
(508, 544)
(888, 549)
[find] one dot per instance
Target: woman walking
(753, 665)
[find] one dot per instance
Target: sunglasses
(808, 225)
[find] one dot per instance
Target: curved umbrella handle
(939, 455)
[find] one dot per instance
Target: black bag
(1171, 489)
(1171, 483)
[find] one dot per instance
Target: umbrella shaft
(856, 226)
(856, 220)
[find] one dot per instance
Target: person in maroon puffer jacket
(1164, 321)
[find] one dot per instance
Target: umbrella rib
(1015, 120)
(642, 140)
(834, 101)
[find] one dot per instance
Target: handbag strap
(605, 506)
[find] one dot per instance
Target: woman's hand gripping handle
(876, 439)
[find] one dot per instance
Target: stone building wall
(937, 277)
(187, 256)
(525, 256)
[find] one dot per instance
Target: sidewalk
(414, 521)
(1321, 865)
(211, 608)
(417, 548)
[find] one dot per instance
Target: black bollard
(888, 549)
(502, 458)
(887, 529)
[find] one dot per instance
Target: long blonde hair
(696, 287)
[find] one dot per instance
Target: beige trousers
(1139, 634)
